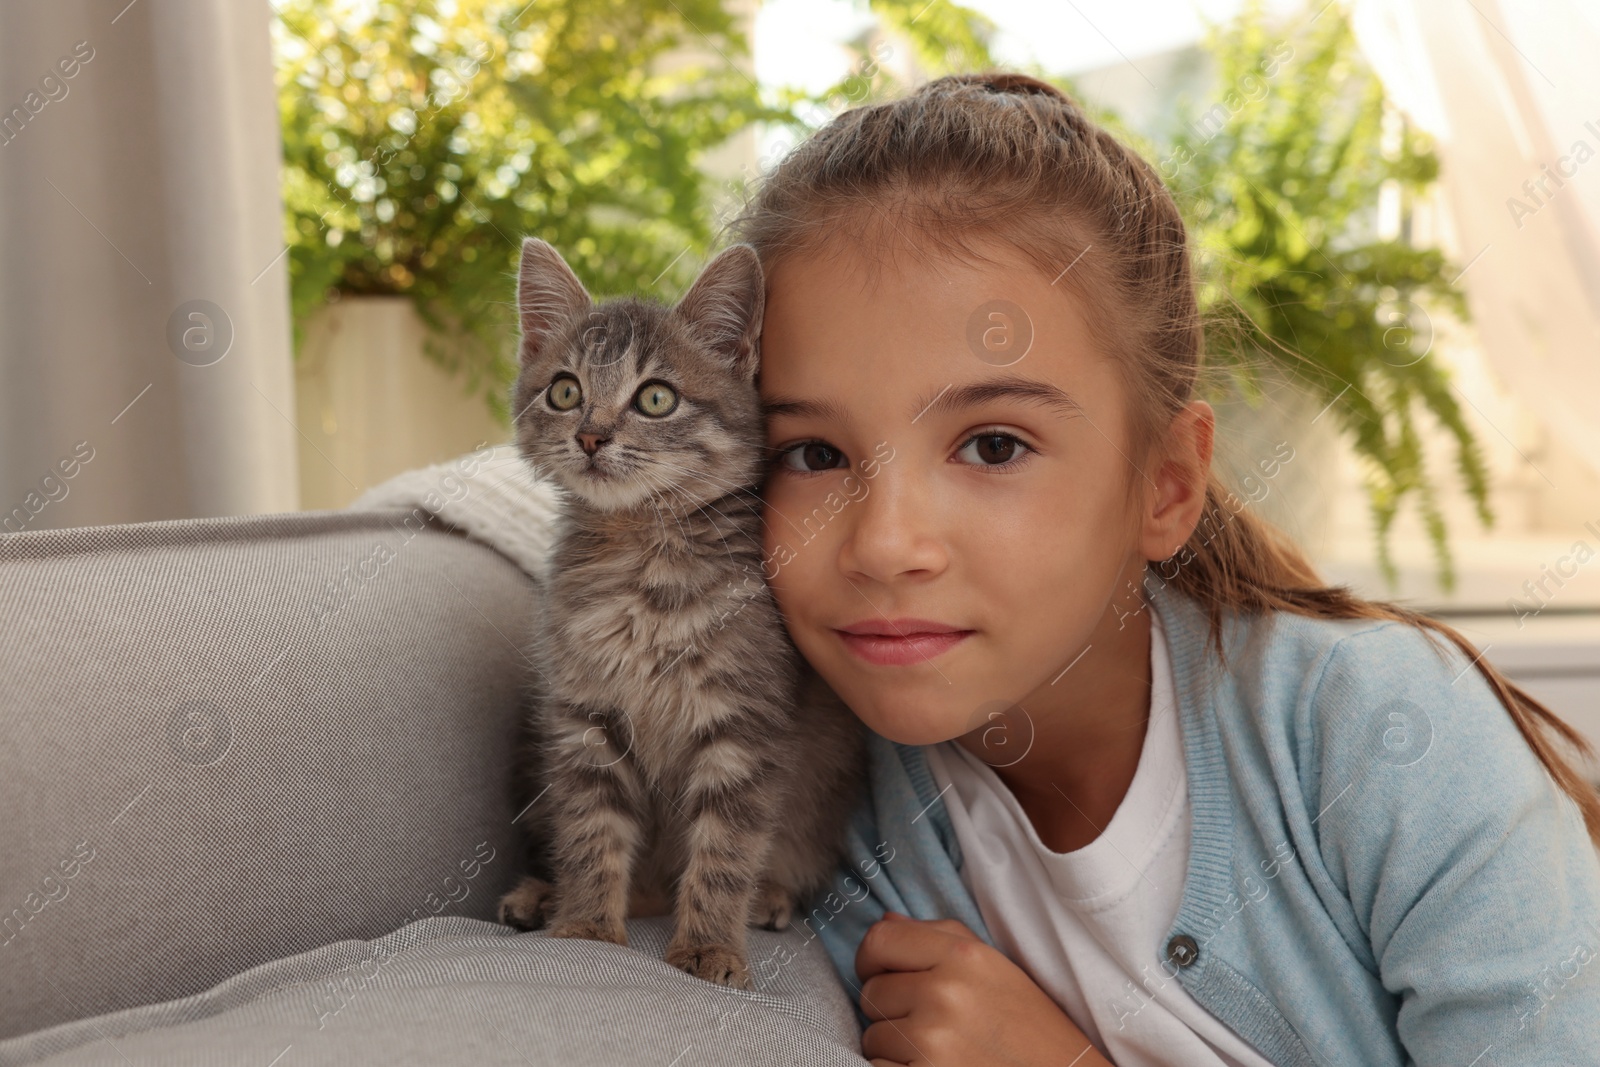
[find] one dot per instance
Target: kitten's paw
(590, 930)
(529, 905)
(721, 964)
(771, 907)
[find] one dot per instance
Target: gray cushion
(250, 757)
(256, 745)
(456, 990)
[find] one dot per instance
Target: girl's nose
(893, 532)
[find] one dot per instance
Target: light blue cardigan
(1380, 870)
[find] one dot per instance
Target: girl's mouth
(893, 650)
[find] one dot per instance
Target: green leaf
(1280, 190)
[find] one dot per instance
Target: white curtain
(140, 227)
(1511, 89)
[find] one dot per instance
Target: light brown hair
(969, 160)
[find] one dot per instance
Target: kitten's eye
(656, 399)
(807, 453)
(565, 393)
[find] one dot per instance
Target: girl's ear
(548, 293)
(1179, 497)
(723, 308)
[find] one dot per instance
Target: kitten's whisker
(660, 521)
(734, 490)
(678, 490)
(668, 486)
(728, 488)
(671, 488)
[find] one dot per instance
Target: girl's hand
(941, 996)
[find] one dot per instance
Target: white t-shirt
(1088, 925)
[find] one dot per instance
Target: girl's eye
(995, 449)
(810, 457)
(992, 450)
(564, 393)
(656, 399)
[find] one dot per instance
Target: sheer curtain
(144, 325)
(1511, 89)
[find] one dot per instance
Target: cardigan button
(1182, 950)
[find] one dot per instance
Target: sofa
(258, 786)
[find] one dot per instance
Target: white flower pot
(370, 404)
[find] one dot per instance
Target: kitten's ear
(547, 294)
(724, 305)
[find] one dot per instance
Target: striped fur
(693, 760)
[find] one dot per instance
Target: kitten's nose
(591, 442)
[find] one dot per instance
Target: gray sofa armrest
(227, 741)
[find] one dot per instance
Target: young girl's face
(928, 469)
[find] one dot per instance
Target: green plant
(946, 36)
(942, 37)
(423, 141)
(1280, 178)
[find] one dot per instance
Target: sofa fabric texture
(258, 781)
(458, 990)
(231, 740)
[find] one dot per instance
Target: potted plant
(422, 142)
(1313, 297)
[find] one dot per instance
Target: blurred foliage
(1281, 177)
(945, 36)
(423, 141)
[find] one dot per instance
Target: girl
(1144, 790)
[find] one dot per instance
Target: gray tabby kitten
(692, 760)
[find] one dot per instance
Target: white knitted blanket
(491, 494)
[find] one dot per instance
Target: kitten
(689, 753)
